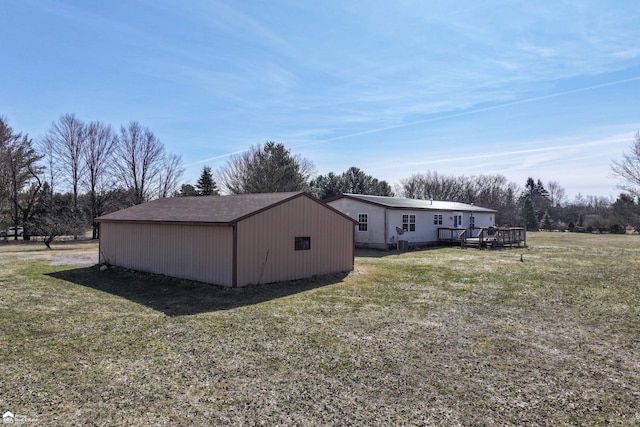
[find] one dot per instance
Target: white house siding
(482, 220)
(266, 250)
(376, 235)
(426, 230)
(194, 252)
(383, 221)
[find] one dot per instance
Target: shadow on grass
(179, 297)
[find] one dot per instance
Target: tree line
(80, 170)
(536, 205)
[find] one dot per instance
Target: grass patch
(445, 337)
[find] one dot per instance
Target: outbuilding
(384, 222)
(230, 240)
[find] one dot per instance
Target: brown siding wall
(266, 243)
(202, 253)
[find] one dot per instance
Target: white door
(457, 220)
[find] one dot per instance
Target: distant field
(438, 337)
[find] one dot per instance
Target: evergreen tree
(530, 215)
(187, 190)
(353, 180)
(326, 186)
(546, 222)
(627, 211)
(268, 168)
(206, 184)
(540, 190)
(530, 188)
(534, 193)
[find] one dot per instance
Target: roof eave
(469, 208)
(300, 194)
(163, 222)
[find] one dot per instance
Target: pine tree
(547, 224)
(206, 184)
(530, 215)
(538, 198)
(353, 180)
(267, 168)
(187, 190)
(541, 191)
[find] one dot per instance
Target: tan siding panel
(266, 243)
(202, 253)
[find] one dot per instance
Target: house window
(472, 221)
(363, 222)
(437, 219)
(409, 222)
(303, 243)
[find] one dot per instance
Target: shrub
(617, 229)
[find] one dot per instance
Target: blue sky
(547, 89)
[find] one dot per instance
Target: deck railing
(484, 236)
(451, 235)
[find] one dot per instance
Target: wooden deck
(491, 237)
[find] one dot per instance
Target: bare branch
(139, 158)
(628, 169)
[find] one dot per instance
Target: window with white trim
(409, 222)
(472, 221)
(363, 222)
(437, 219)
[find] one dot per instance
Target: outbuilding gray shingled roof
(401, 203)
(200, 209)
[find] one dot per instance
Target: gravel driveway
(78, 260)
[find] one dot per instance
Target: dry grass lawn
(437, 337)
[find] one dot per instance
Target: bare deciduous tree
(490, 191)
(139, 156)
(432, 186)
(6, 137)
(97, 156)
(47, 149)
(21, 184)
(557, 194)
(170, 174)
(628, 168)
(66, 139)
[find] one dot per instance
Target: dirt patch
(71, 253)
(70, 259)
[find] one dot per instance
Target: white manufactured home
(230, 240)
(383, 222)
